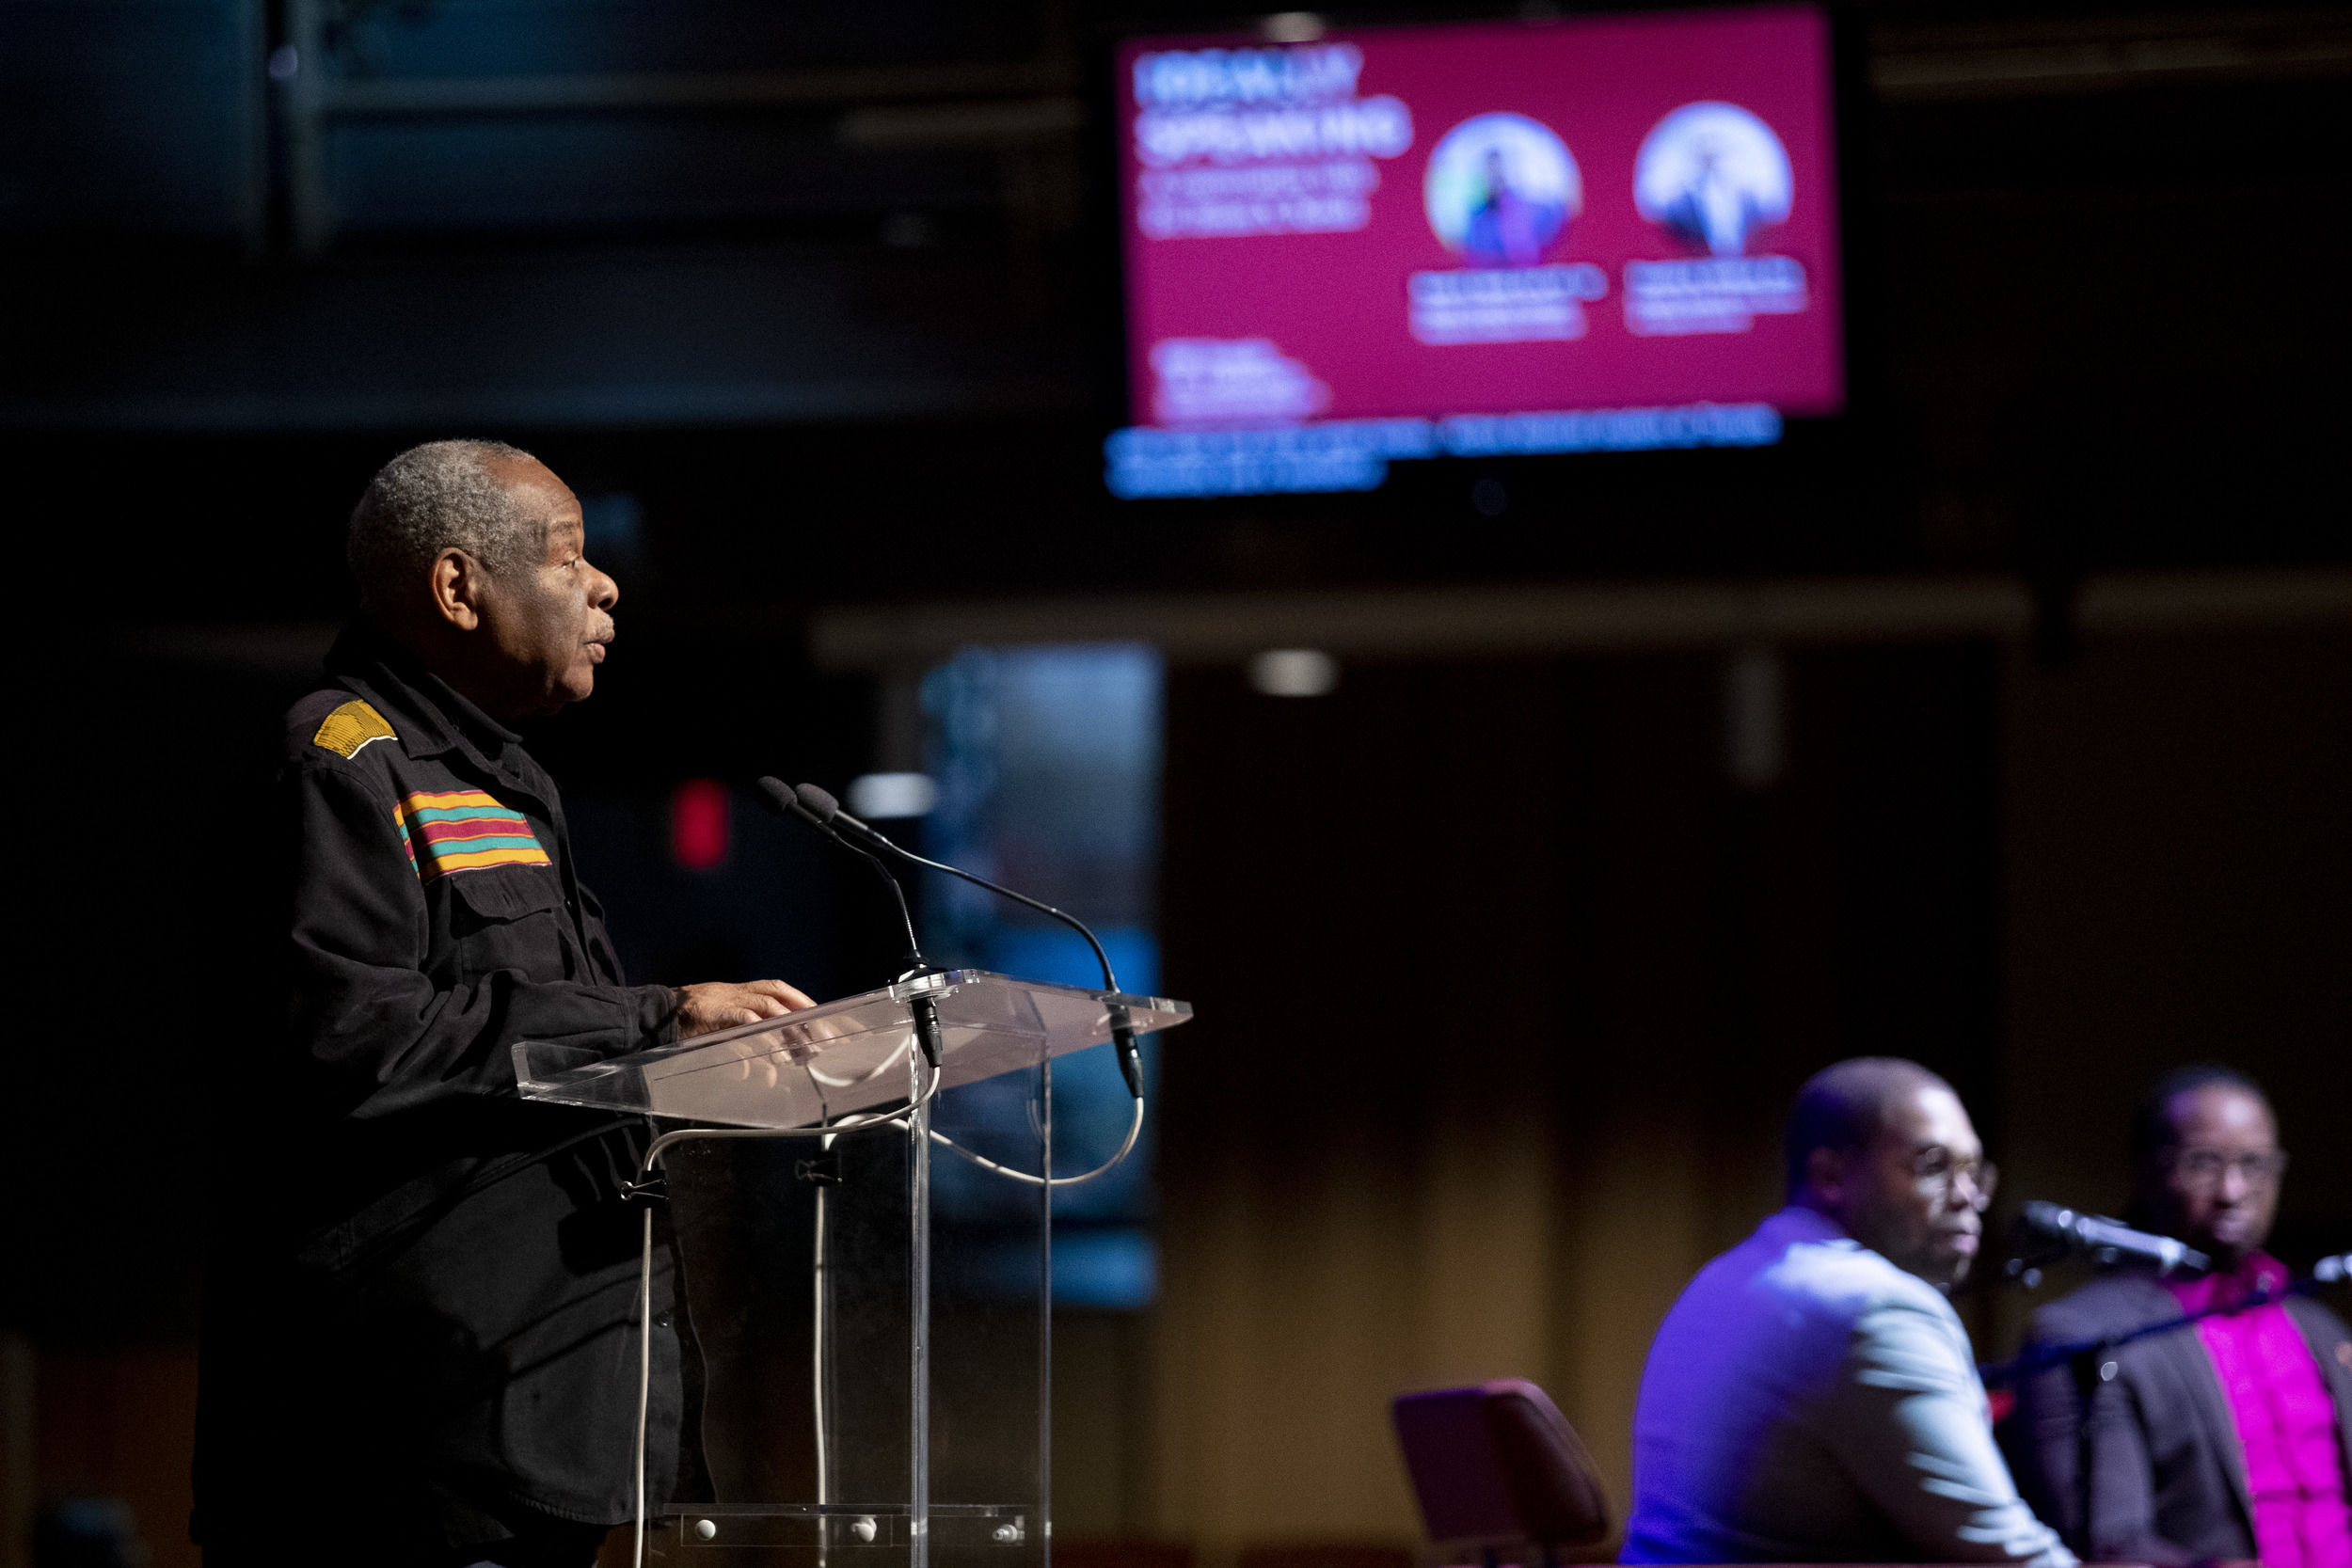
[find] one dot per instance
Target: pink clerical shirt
(2286, 1421)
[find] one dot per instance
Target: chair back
(1498, 1464)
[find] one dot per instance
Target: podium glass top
(849, 1055)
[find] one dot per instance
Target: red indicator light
(698, 824)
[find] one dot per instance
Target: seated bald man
(1812, 1397)
(419, 1342)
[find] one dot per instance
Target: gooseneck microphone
(827, 812)
(780, 799)
(2110, 1240)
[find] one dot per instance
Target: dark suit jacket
(422, 1306)
(2169, 1480)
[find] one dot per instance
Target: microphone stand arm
(830, 814)
(922, 1010)
(1999, 1374)
(2088, 1362)
(1122, 1025)
(822, 811)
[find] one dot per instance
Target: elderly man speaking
(1812, 1397)
(419, 1342)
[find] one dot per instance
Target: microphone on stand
(2110, 1240)
(779, 797)
(826, 813)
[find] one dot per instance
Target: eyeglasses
(1938, 1175)
(2203, 1169)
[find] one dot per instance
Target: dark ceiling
(827, 289)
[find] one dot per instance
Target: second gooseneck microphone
(780, 799)
(2102, 1235)
(827, 814)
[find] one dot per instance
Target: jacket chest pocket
(603, 960)
(500, 919)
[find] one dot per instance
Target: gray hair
(436, 497)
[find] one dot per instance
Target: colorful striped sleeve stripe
(463, 830)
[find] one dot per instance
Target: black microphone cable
(818, 808)
(924, 1010)
(829, 813)
(780, 798)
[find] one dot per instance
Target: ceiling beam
(1472, 622)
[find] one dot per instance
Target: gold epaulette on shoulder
(350, 727)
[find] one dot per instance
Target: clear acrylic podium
(869, 1308)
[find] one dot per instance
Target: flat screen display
(1483, 239)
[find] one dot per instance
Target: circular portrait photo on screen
(1501, 190)
(1712, 174)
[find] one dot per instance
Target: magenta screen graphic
(1414, 241)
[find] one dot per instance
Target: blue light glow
(1047, 761)
(1354, 454)
(1112, 1267)
(1116, 1268)
(1057, 954)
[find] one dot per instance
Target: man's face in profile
(549, 620)
(1914, 1195)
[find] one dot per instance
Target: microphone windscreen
(2050, 1219)
(817, 801)
(777, 795)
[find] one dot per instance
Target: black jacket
(2168, 1478)
(421, 1313)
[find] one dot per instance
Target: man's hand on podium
(719, 1005)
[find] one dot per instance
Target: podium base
(983, 1535)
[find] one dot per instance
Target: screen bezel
(1813, 455)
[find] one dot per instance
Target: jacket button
(661, 1320)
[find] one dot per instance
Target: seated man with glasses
(1812, 1397)
(2221, 1440)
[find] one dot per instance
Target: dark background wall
(1514, 984)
